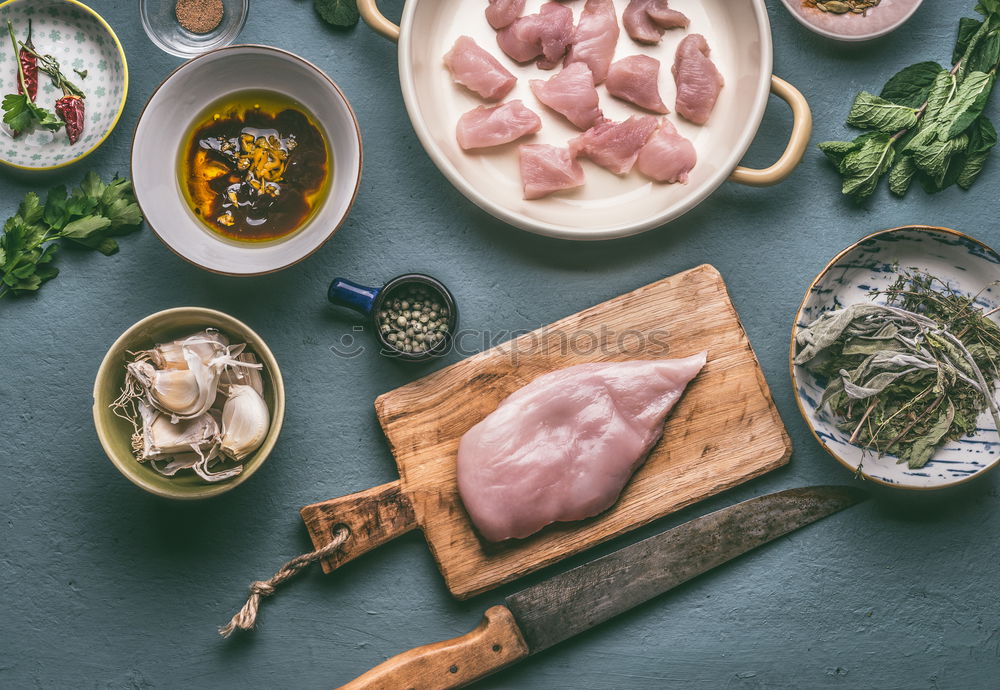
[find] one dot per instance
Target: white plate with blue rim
(84, 44)
(969, 267)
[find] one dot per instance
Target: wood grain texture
(495, 643)
(373, 517)
(724, 431)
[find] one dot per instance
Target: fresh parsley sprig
(927, 124)
(91, 216)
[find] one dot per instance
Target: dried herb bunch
(910, 375)
(842, 6)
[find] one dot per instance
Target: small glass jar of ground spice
(414, 316)
(199, 16)
(188, 28)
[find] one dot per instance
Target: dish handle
(797, 141)
(376, 20)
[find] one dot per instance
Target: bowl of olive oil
(265, 160)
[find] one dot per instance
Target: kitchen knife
(538, 617)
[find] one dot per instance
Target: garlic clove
(245, 371)
(162, 439)
(175, 390)
(245, 421)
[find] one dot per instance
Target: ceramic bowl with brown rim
(115, 433)
(161, 142)
(968, 267)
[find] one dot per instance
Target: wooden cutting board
(725, 430)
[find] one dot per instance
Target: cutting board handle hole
(334, 531)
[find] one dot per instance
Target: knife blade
(556, 609)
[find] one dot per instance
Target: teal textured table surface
(104, 586)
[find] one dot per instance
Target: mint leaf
(967, 28)
(901, 175)
(340, 13)
(933, 158)
(984, 57)
(988, 7)
(911, 85)
(864, 167)
(982, 139)
(967, 104)
(871, 112)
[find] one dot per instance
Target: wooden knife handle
(372, 517)
(496, 642)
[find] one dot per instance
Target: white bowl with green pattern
(79, 39)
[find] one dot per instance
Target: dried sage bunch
(910, 375)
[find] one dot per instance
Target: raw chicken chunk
(636, 79)
(646, 20)
(477, 70)
(667, 156)
(570, 93)
(698, 80)
(595, 38)
(546, 169)
(544, 35)
(563, 447)
(502, 13)
(615, 145)
(495, 125)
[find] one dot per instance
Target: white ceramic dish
(79, 38)
(162, 132)
(968, 266)
(607, 206)
(885, 18)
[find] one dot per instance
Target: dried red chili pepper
(71, 109)
(29, 65)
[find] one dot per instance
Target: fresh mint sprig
(927, 124)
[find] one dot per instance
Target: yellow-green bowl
(115, 433)
(80, 39)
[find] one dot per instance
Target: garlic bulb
(162, 439)
(245, 421)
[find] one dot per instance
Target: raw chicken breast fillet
(614, 145)
(636, 79)
(495, 125)
(546, 169)
(698, 80)
(544, 35)
(502, 13)
(477, 70)
(570, 93)
(646, 20)
(563, 447)
(667, 156)
(595, 38)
